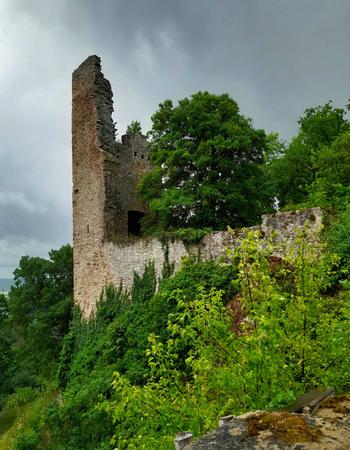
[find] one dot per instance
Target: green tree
(40, 307)
(6, 341)
(206, 160)
(134, 128)
(293, 174)
(332, 181)
(275, 148)
(322, 124)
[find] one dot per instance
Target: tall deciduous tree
(206, 161)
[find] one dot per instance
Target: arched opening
(134, 225)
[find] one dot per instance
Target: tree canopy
(206, 160)
(316, 162)
(134, 128)
(40, 305)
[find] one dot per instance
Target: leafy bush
(28, 440)
(20, 397)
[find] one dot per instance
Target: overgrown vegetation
(149, 364)
(152, 362)
(292, 338)
(188, 236)
(114, 339)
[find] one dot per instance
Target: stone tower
(105, 175)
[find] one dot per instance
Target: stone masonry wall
(88, 117)
(123, 260)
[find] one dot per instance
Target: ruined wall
(123, 260)
(89, 121)
(286, 225)
(134, 163)
(106, 206)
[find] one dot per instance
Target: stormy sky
(275, 57)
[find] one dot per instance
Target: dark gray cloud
(275, 57)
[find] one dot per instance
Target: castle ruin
(107, 247)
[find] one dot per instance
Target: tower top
(91, 62)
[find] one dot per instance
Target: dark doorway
(134, 226)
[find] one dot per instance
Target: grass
(11, 421)
(14, 419)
